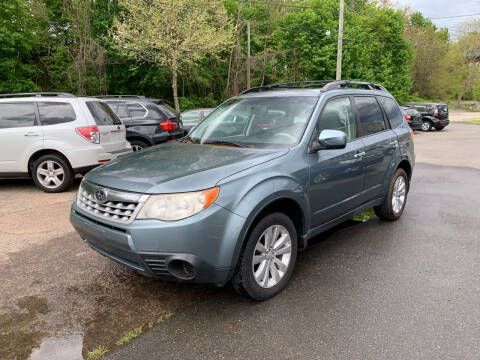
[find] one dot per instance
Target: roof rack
(38, 94)
(120, 96)
(323, 85)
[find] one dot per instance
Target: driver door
(337, 175)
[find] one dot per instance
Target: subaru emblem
(100, 196)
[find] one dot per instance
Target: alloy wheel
(137, 148)
(399, 194)
(425, 126)
(50, 174)
(272, 255)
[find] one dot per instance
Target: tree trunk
(175, 90)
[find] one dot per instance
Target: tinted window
(154, 112)
(371, 116)
(19, 114)
(136, 110)
(394, 115)
(119, 108)
(171, 112)
(338, 115)
(52, 113)
(102, 113)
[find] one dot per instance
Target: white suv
(50, 137)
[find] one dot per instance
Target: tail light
(411, 133)
(408, 117)
(168, 125)
(435, 112)
(89, 133)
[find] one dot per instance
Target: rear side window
(155, 113)
(371, 116)
(338, 115)
(136, 110)
(394, 115)
(102, 113)
(119, 108)
(52, 113)
(20, 114)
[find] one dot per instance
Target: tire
(138, 145)
(52, 173)
(244, 280)
(426, 126)
(387, 211)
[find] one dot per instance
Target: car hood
(178, 167)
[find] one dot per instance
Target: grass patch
(365, 216)
(474, 122)
(165, 317)
(97, 353)
(130, 335)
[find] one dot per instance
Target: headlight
(171, 207)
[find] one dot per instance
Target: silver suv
(50, 137)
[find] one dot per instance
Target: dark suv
(148, 121)
(251, 185)
(434, 115)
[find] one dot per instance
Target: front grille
(156, 263)
(117, 206)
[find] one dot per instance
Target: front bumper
(199, 249)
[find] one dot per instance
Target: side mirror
(330, 139)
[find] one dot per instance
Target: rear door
(20, 135)
(112, 131)
(380, 144)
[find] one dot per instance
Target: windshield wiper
(221, 142)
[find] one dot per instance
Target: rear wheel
(267, 262)
(426, 126)
(52, 174)
(138, 145)
(396, 198)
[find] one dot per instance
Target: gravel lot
(373, 290)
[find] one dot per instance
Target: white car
(50, 137)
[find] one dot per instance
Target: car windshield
(260, 122)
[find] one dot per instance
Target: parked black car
(148, 121)
(434, 115)
(413, 117)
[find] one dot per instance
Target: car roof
(424, 103)
(313, 92)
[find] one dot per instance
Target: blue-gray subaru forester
(251, 184)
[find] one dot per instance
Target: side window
(52, 113)
(136, 109)
(392, 110)
(191, 118)
(337, 115)
(20, 114)
(102, 113)
(119, 108)
(371, 116)
(154, 112)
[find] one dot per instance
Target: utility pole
(340, 42)
(248, 55)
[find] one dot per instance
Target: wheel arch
(36, 155)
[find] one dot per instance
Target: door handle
(394, 143)
(31, 134)
(359, 155)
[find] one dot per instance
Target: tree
(175, 35)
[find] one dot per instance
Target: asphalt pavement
(373, 290)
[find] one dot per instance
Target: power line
(452, 16)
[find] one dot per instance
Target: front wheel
(396, 198)
(268, 259)
(426, 126)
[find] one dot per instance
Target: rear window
(102, 113)
(394, 115)
(53, 113)
(21, 114)
(411, 112)
(443, 108)
(171, 112)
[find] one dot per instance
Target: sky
(440, 8)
